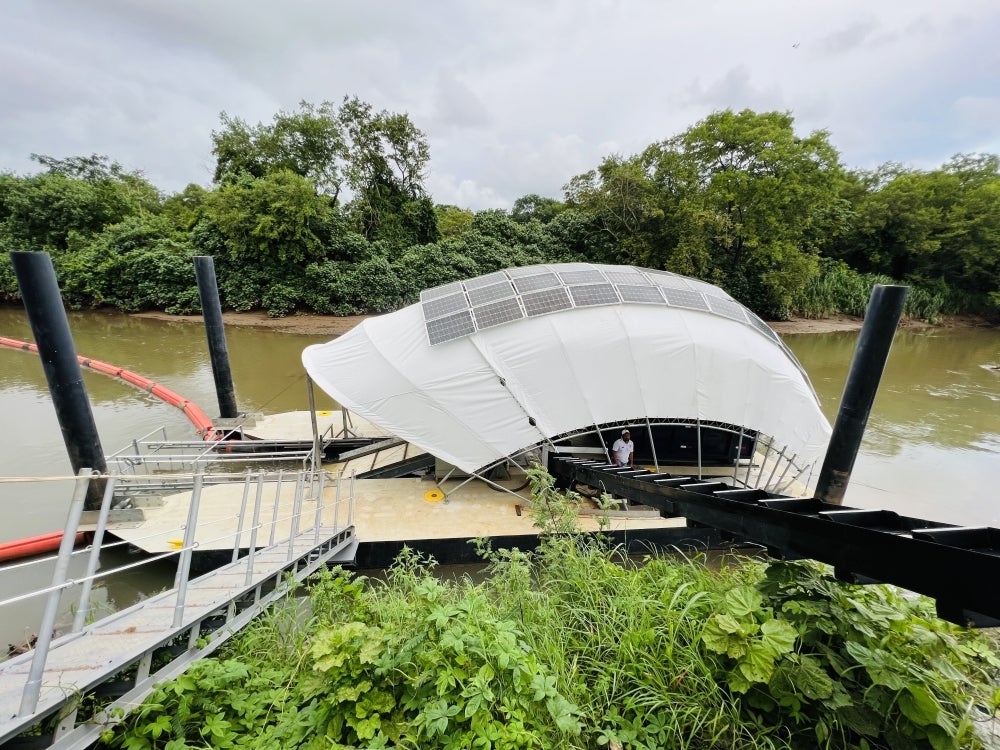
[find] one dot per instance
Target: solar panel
(526, 271)
(490, 278)
(626, 277)
(705, 288)
(505, 296)
(727, 308)
(588, 276)
(450, 327)
(593, 294)
(761, 326)
(441, 291)
(642, 294)
(550, 300)
(435, 308)
(531, 283)
(685, 298)
(669, 281)
(491, 293)
(496, 313)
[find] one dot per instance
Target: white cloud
(515, 97)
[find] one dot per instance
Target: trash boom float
(42, 543)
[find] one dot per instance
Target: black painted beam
(861, 545)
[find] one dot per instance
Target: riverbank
(335, 326)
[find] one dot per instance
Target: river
(932, 448)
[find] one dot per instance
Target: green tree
(537, 207)
(452, 221)
(766, 203)
(275, 217)
(309, 143)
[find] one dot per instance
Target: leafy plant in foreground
(577, 646)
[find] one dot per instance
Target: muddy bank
(328, 325)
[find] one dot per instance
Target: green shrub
(577, 646)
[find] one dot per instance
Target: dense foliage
(324, 209)
(576, 647)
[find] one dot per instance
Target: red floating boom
(191, 410)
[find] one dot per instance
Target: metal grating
(491, 293)
(435, 308)
(441, 291)
(594, 294)
(533, 283)
(490, 278)
(589, 276)
(550, 300)
(685, 298)
(641, 294)
(496, 313)
(727, 308)
(450, 327)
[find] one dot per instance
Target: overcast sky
(515, 97)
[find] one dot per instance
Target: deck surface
(384, 510)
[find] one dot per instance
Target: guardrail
(255, 484)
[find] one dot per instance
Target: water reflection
(937, 388)
(932, 446)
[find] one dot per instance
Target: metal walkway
(957, 566)
(125, 654)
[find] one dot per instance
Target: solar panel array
(461, 308)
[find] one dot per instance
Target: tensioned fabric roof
(482, 369)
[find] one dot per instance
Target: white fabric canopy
(468, 400)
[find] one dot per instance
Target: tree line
(324, 209)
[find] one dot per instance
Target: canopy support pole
(652, 444)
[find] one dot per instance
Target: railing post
(336, 502)
(293, 530)
(274, 512)
(184, 563)
(242, 517)
(252, 553)
(319, 509)
(95, 555)
(350, 507)
(33, 687)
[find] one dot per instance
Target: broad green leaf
(778, 636)
(758, 664)
(744, 601)
(941, 739)
(811, 679)
(919, 706)
(861, 719)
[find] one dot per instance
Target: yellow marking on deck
(434, 496)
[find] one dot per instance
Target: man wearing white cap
(623, 450)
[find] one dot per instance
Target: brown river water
(932, 448)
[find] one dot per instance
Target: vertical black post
(36, 278)
(881, 318)
(211, 309)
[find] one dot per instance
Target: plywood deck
(384, 510)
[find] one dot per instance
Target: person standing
(623, 451)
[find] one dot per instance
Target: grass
(576, 646)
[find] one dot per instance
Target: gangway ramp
(158, 638)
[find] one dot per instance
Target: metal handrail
(61, 581)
